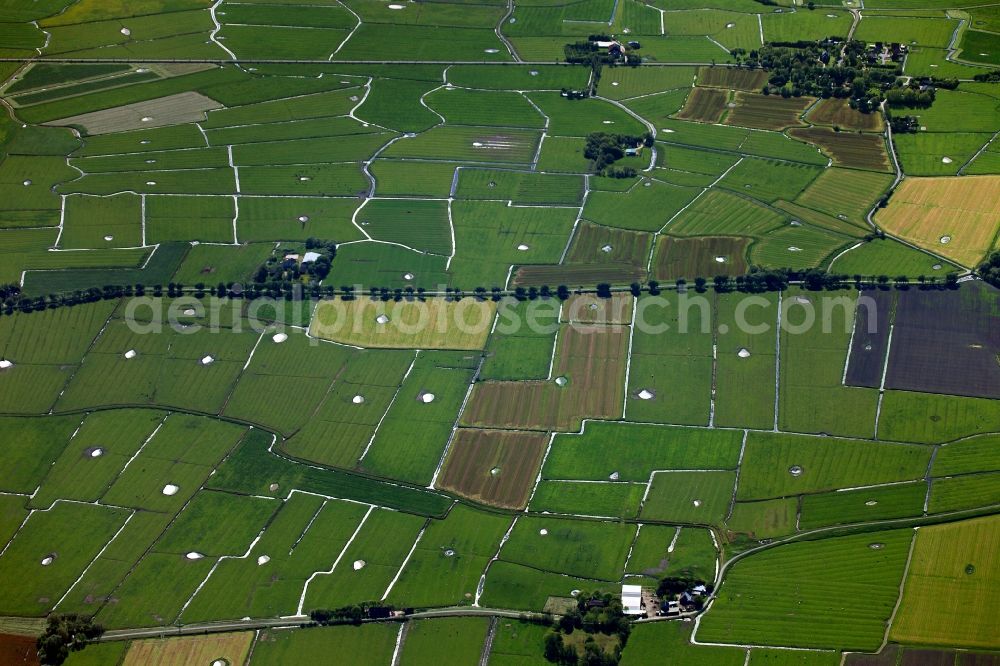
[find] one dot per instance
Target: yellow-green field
(957, 218)
(431, 324)
(952, 591)
(183, 650)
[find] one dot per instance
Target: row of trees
(757, 281)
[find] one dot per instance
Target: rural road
(270, 623)
(250, 61)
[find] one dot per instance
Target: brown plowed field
(696, 257)
(848, 149)
(730, 78)
(838, 112)
(475, 454)
(593, 364)
(591, 309)
(17, 650)
(772, 112)
(704, 105)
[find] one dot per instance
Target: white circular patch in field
(141, 70)
(512, 20)
(262, 560)
(449, 553)
(614, 476)
(495, 472)
(194, 555)
(48, 559)
(592, 306)
(382, 319)
(304, 179)
(273, 487)
(145, 142)
(608, 122)
(126, 32)
(303, 218)
(795, 470)
(477, 144)
(278, 338)
(984, 54)
(561, 381)
(170, 489)
(731, 105)
(646, 394)
(876, 546)
(730, 25)
(533, 72)
(96, 452)
(4, 364)
(150, 161)
(358, 399)
(801, 299)
(871, 502)
(359, 565)
(936, 267)
(189, 312)
(207, 360)
(720, 260)
(946, 160)
(795, 223)
(614, 83)
(395, 6)
(648, 183)
(147, 119)
(26, 183)
(491, 50)
(606, 248)
(543, 531)
(151, 183)
(945, 240)
(667, 130)
(109, 238)
(522, 248)
(574, 593)
(696, 503)
(426, 398)
(831, 16)
(743, 352)
(407, 276)
(220, 662)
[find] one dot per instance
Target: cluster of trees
(603, 149)
(989, 270)
(595, 613)
(903, 124)
(827, 68)
(279, 270)
(64, 634)
(352, 614)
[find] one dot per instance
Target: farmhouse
(632, 600)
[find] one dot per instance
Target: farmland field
(410, 333)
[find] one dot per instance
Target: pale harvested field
(944, 601)
(965, 209)
(184, 650)
(187, 107)
(431, 324)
